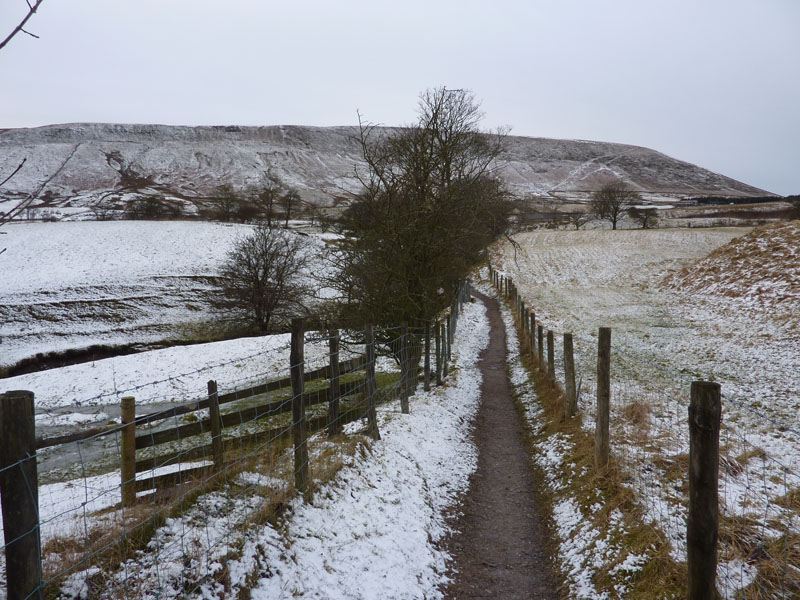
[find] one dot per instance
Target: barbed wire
(764, 481)
(85, 521)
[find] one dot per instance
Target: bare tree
(225, 202)
(577, 219)
(428, 208)
(261, 278)
(289, 202)
(266, 197)
(646, 217)
(611, 201)
(32, 8)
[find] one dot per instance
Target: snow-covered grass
(72, 285)
(663, 339)
(603, 545)
(370, 531)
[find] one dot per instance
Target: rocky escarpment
(90, 164)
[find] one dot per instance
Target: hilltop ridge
(90, 164)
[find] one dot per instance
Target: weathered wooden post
(296, 372)
(551, 359)
(571, 406)
(427, 382)
(601, 450)
(532, 329)
(451, 332)
(19, 492)
(127, 443)
(437, 328)
(334, 425)
(702, 525)
(445, 344)
(372, 388)
(216, 425)
(405, 367)
(540, 334)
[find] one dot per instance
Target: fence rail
(257, 444)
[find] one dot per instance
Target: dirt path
(499, 550)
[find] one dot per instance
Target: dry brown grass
(762, 266)
(661, 576)
(117, 534)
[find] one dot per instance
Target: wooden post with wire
(19, 492)
(601, 434)
(334, 425)
(216, 425)
(127, 441)
(702, 523)
(427, 381)
(551, 359)
(445, 343)
(571, 406)
(437, 330)
(372, 390)
(296, 371)
(405, 369)
(540, 343)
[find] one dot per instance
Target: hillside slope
(87, 164)
(757, 271)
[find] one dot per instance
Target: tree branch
(19, 28)
(7, 179)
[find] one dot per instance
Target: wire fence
(160, 504)
(759, 465)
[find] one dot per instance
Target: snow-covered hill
(88, 164)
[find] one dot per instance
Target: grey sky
(713, 82)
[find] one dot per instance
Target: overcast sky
(713, 82)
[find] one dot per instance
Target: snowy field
(371, 532)
(74, 284)
(580, 281)
(662, 339)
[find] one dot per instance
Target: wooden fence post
(551, 358)
(372, 390)
(296, 369)
(702, 524)
(437, 330)
(19, 492)
(532, 329)
(216, 425)
(540, 333)
(445, 344)
(405, 369)
(334, 426)
(427, 382)
(451, 332)
(128, 450)
(601, 451)
(571, 407)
